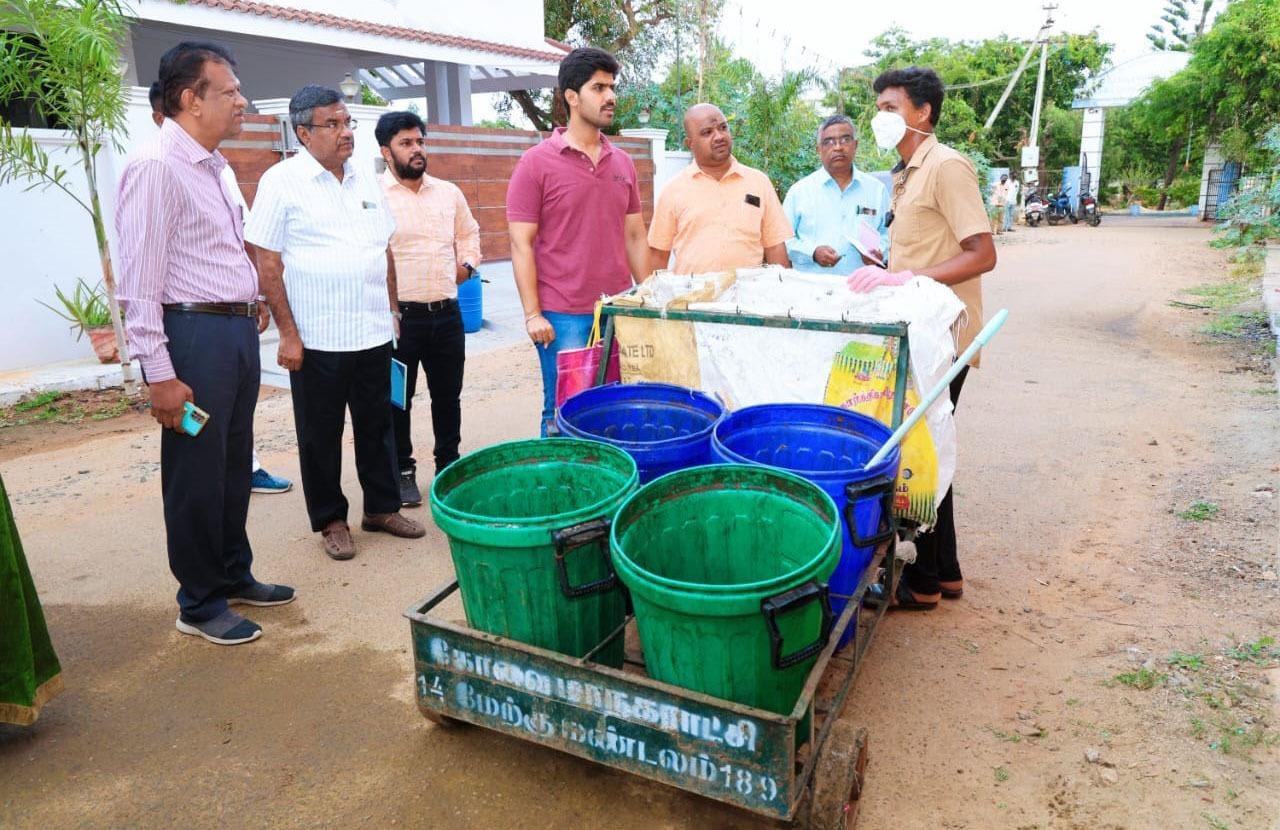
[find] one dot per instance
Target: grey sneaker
(410, 495)
(226, 629)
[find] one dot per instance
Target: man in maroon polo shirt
(573, 212)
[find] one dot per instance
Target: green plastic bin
(528, 527)
(727, 566)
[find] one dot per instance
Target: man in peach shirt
(718, 214)
(436, 247)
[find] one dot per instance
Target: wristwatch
(471, 269)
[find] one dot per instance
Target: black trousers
(936, 557)
(327, 385)
(436, 340)
(205, 480)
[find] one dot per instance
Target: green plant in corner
(63, 58)
(86, 308)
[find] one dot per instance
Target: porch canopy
(400, 50)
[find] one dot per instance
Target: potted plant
(88, 312)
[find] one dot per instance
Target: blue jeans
(572, 332)
(1008, 216)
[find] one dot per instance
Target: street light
(349, 86)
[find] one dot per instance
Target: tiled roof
(401, 32)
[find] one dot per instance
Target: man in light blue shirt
(826, 207)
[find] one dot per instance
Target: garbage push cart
(805, 767)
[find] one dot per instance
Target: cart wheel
(442, 721)
(838, 778)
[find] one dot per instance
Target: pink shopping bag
(577, 369)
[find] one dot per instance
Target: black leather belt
(229, 309)
(433, 306)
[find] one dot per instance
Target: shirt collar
(389, 181)
(186, 146)
(918, 157)
(826, 178)
(736, 168)
(312, 168)
(557, 141)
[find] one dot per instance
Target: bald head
(707, 136)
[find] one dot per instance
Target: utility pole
(1031, 161)
(702, 45)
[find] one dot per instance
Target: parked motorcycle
(1060, 208)
(1033, 212)
(1089, 210)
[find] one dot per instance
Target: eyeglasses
(842, 140)
(350, 124)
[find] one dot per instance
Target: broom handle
(988, 332)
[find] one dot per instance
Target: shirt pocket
(744, 220)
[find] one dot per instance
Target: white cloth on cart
(749, 365)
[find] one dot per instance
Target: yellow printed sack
(862, 379)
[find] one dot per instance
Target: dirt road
(1098, 417)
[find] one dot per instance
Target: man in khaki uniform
(940, 230)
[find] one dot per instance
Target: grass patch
(1008, 737)
(1214, 822)
(1183, 660)
(1142, 679)
(1235, 324)
(1261, 651)
(39, 401)
(1200, 511)
(1001, 774)
(1197, 728)
(1219, 295)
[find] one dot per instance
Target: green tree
(1229, 92)
(63, 57)
(774, 126)
(976, 73)
(638, 32)
(1172, 34)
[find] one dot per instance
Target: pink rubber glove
(869, 276)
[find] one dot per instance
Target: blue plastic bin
(829, 446)
(663, 427)
(471, 303)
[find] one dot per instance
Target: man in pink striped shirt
(190, 297)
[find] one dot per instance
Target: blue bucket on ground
(662, 426)
(828, 446)
(471, 303)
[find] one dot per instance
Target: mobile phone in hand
(193, 419)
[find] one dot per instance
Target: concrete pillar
(459, 78)
(438, 92)
(1091, 146)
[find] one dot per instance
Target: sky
(826, 33)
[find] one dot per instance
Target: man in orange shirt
(436, 246)
(718, 214)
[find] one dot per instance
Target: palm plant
(63, 56)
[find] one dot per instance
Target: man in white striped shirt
(322, 228)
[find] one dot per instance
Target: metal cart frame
(805, 767)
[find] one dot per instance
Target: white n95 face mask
(889, 128)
